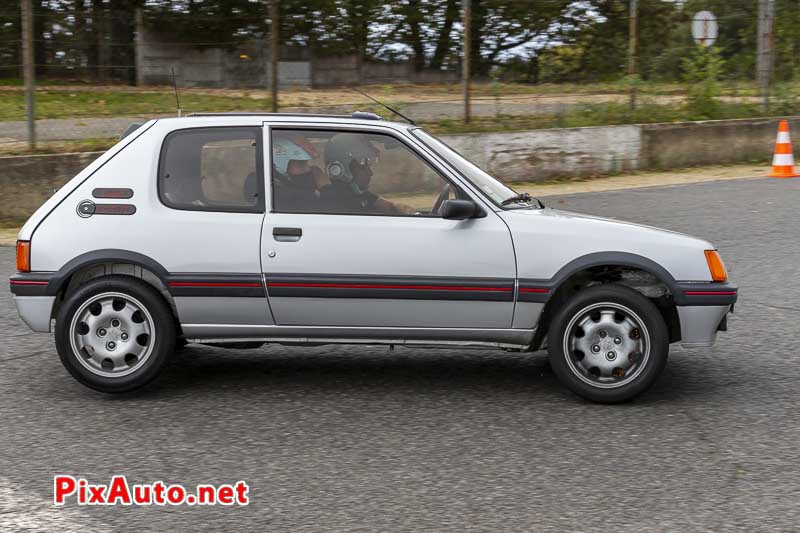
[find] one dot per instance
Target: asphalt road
(334, 439)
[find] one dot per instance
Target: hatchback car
(243, 229)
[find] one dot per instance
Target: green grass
(600, 115)
(55, 99)
(57, 147)
(86, 103)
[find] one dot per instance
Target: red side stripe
(373, 286)
(534, 289)
(19, 282)
(710, 293)
(198, 284)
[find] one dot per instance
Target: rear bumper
(33, 299)
(35, 311)
(702, 311)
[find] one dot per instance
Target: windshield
(489, 186)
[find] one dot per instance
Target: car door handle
(287, 234)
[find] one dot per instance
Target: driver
(348, 160)
(296, 182)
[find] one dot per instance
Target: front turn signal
(23, 256)
(716, 266)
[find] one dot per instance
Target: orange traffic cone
(783, 160)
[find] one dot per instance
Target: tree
(501, 27)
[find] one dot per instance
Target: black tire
(164, 335)
(657, 338)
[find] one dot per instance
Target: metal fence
(99, 69)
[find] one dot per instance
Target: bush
(701, 71)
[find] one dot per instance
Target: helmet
(287, 147)
(344, 148)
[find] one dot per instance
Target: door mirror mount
(460, 210)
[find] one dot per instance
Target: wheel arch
(611, 267)
(106, 262)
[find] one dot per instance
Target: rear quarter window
(212, 169)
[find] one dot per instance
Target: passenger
(348, 161)
(296, 181)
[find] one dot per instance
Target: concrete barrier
(27, 181)
(539, 155)
(711, 142)
(546, 154)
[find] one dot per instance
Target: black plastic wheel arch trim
(678, 289)
(109, 255)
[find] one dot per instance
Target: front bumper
(702, 310)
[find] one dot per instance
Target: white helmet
(287, 148)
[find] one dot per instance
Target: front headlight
(716, 266)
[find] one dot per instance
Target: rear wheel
(608, 343)
(114, 334)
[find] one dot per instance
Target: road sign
(704, 28)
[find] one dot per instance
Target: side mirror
(460, 210)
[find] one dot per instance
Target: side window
(353, 173)
(212, 169)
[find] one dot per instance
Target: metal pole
(29, 70)
(766, 25)
(467, 59)
(274, 15)
(633, 39)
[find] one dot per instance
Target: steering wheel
(443, 195)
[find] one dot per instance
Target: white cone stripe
(782, 160)
(783, 137)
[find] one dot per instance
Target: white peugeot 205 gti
(244, 229)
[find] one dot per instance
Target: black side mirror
(460, 210)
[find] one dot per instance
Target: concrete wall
(245, 65)
(546, 154)
(26, 182)
(335, 71)
(709, 142)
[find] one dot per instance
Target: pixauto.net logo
(119, 492)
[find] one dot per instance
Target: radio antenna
(175, 87)
(396, 112)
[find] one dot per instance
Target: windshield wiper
(521, 198)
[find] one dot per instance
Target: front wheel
(608, 343)
(114, 334)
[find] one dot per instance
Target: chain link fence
(99, 68)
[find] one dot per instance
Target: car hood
(610, 222)
(566, 236)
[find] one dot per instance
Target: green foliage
(702, 70)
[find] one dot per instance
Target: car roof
(360, 118)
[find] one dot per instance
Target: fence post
(766, 39)
(633, 41)
(274, 15)
(29, 70)
(467, 52)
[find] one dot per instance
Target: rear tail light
(24, 256)
(716, 266)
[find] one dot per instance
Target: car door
(205, 226)
(329, 260)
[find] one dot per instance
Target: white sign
(704, 28)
